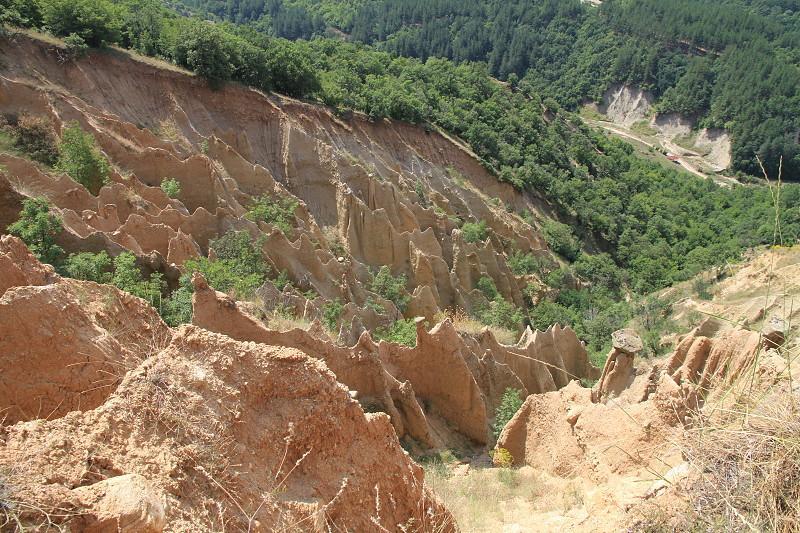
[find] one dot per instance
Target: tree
(277, 212)
(208, 53)
(81, 159)
(331, 312)
(35, 136)
(548, 313)
(487, 287)
(238, 266)
(128, 277)
(403, 331)
(600, 270)
(560, 238)
(475, 231)
(95, 21)
(38, 228)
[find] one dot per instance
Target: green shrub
(177, 309)
(701, 287)
(171, 187)
(76, 46)
(557, 278)
(128, 277)
(547, 313)
(225, 276)
(331, 312)
(35, 137)
(522, 263)
(487, 287)
(38, 228)
(419, 189)
(81, 159)
(239, 246)
(560, 239)
(403, 331)
(89, 266)
(475, 231)
(238, 266)
(282, 280)
(279, 213)
(392, 288)
(370, 303)
(501, 313)
(509, 405)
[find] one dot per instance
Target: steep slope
(370, 193)
(364, 194)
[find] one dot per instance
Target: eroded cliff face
(442, 392)
(370, 193)
(229, 422)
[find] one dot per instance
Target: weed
(171, 187)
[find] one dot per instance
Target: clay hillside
(227, 310)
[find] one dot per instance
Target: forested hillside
(730, 64)
(657, 225)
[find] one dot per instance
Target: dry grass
(491, 499)
(281, 322)
(750, 469)
(464, 323)
(18, 513)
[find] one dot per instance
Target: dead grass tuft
(464, 323)
(18, 514)
(750, 469)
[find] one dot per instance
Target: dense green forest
(658, 225)
(728, 63)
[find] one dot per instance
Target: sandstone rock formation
(19, 267)
(446, 375)
(199, 433)
(227, 432)
(618, 372)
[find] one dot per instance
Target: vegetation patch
(403, 331)
(81, 159)
(475, 231)
(38, 227)
(509, 405)
(171, 187)
(392, 288)
(277, 212)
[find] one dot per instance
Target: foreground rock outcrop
(65, 344)
(256, 436)
(625, 431)
(197, 433)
